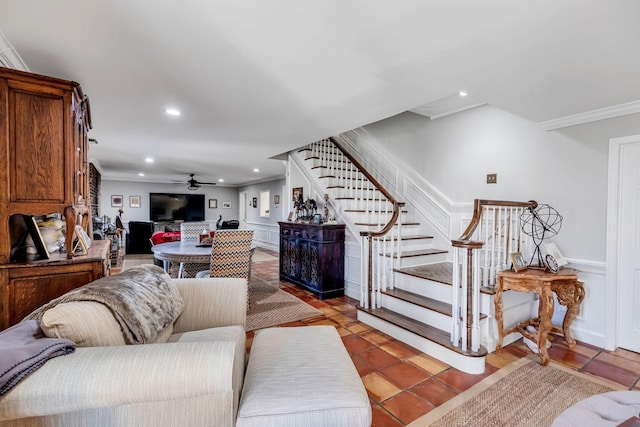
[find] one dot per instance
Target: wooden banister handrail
(477, 214)
(396, 205)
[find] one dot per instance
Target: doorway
(623, 244)
(242, 210)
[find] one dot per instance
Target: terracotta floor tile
(567, 357)
(461, 381)
(376, 337)
(400, 350)
(611, 372)
(500, 360)
(341, 319)
(404, 374)
(620, 362)
(626, 354)
(434, 391)
(382, 418)
(329, 311)
(407, 406)
(379, 388)
(355, 344)
(363, 367)
(378, 358)
(343, 332)
(359, 328)
(320, 322)
(428, 363)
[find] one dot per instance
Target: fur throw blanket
(143, 299)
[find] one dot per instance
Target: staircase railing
(484, 249)
(377, 207)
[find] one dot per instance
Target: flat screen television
(176, 207)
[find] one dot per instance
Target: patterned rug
(522, 394)
(271, 306)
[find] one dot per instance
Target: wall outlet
(492, 178)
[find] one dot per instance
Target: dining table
(182, 253)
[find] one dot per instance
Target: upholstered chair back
(231, 253)
(190, 231)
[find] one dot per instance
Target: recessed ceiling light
(140, 174)
(220, 180)
(462, 93)
(256, 170)
(172, 111)
(149, 159)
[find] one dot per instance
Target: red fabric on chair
(169, 236)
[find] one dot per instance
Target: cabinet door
(30, 293)
(309, 264)
(37, 149)
(289, 256)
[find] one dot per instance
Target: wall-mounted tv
(176, 207)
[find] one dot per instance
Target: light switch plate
(492, 178)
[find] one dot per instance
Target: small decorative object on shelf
(552, 264)
(518, 262)
(540, 222)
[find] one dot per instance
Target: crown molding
(592, 116)
(9, 57)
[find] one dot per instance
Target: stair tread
(441, 272)
(422, 301)
(419, 300)
(421, 329)
(417, 252)
(438, 272)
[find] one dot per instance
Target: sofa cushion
(87, 323)
(143, 300)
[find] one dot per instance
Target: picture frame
(226, 205)
(36, 236)
(116, 201)
(276, 199)
(518, 262)
(213, 203)
(254, 202)
(297, 193)
(135, 201)
(290, 217)
(83, 241)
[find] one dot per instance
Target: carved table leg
(572, 300)
(497, 301)
(546, 312)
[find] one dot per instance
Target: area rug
(259, 256)
(135, 260)
(522, 394)
(271, 306)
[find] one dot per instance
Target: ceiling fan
(194, 184)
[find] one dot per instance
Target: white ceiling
(255, 79)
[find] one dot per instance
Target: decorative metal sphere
(540, 223)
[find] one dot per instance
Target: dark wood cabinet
(43, 151)
(26, 286)
(312, 256)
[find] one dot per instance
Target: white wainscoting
(265, 235)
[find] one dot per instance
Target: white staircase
(407, 283)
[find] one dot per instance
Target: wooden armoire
(43, 150)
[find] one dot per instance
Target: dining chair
(190, 233)
(231, 255)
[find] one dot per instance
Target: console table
(312, 256)
(564, 284)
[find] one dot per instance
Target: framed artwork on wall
(116, 201)
(226, 205)
(297, 194)
(134, 201)
(276, 199)
(254, 202)
(213, 203)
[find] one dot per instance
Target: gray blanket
(144, 300)
(23, 349)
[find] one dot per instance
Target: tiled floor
(404, 384)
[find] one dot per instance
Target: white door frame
(612, 294)
(242, 208)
